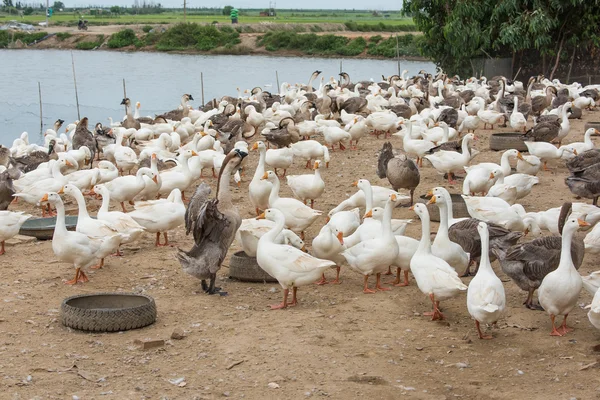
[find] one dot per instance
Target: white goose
(125, 157)
(594, 313)
(252, 229)
(517, 120)
(442, 246)
(434, 276)
(280, 158)
(529, 165)
(345, 221)
(359, 199)
(308, 186)
(298, 216)
(179, 177)
(547, 151)
(310, 150)
(259, 189)
(162, 215)
(560, 289)
(329, 245)
(451, 161)
(72, 247)
(375, 256)
(125, 188)
(415, 147)
(94, 228)
(290, 266)
(10, 224)
(587, 143)
(486, 300)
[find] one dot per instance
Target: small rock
(307, 394)
(419, 348)
(178, 334)
(272, 290)
(273, 385)
(226, 394)
(520, 372)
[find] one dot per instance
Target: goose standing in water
(214, 224)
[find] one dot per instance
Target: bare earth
(337, 343)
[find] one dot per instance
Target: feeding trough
(43, 228)
(108, 312)
(506, 141)
(595, 125)
(245, 268)
(459, 207)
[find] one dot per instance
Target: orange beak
(265, 176)
(304, 249)
(432, 200)
(575, 151)
(261, 216)
(393, 197)
(61, 191)
(355, 183)
(154, 156)
(369, 214)
(340, 237)
(155, 179)
(412, 208)
(194, 153)
(430, 193)
(68, 163)
(45, 197)
(582, 223)
(91, 192)
(520, 156)
(492, 175)
(316, 166)
(327, 220)
(254, 146)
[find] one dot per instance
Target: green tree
(115, 10)
(456, 31)
(226, 10)
(7, 3)
(58, 5)
(28, 11)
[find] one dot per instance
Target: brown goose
(449, 116)
(179, 114)
(219, 120)
(84, 137)
(352, 105)
(585, 182)
(309, 88)
(584, 160)
(287, 133)
(214, 224)
(528, 263)
(4, 156)
(540, 103)
(400, 171)
(6, 187)
(129, 122)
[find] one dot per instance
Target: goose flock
(151, 162)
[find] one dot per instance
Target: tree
(28, 11)
(58, 5)
(457, 31)
(115, 10)
(227, 10)
(8, 3)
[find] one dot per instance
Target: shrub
(91, 45)
(146, 28)
(122, 38)
(380, 27)
(7, 37)
(201, 37)
(63, 35)
(312, 44)
(407, 46)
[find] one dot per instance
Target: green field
(246, 17)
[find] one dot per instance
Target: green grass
(199, 37)
(6, 37)
(407, 46)
(63, 35)
(363, 19)
(313, 44)
(123, 38)
(91, 45)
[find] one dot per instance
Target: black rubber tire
(592, 124)
(246, 269)
(506, 141)
(459, 208)
(108, 319)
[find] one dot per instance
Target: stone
(178, 334)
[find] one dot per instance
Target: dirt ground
(337, 343)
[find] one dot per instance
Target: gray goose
(540, 103)
(84, 137)
(584, 160)
(449, 116)
(31, 161)
(104, 136)
(585, 182)
(353, 105)
(179, 114)
(129, 122)
(287, 133)
(528, 263)
(400, 171)
(543, 132)
(6, 187)
(214, 224)
(4, 156)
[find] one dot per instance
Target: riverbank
(203, 39)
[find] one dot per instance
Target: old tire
(459, 207)
(245, 268)
(506, 141)
(108, 312)
(589, 125)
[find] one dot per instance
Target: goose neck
(565, 254)
(83, 212)
(276, 229)
(61, 226)
(105, 200)
(274, 196)
(368, 192)
(484, 261)
(425, 243)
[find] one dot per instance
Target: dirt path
(337, 343)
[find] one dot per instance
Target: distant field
(296, 17)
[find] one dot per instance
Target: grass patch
(123, 38)
(407, 46)
(380, 27)
(63, 35)
(313, 44)
(200, 37)
(6, 37)
(147, 28)
(91, 45)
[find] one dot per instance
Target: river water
(156, 80)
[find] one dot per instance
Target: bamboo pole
(124, 95)
(277, 80)
(75, 84)
(571, 65)
(398, 54)
(41, 115)
(202, 86)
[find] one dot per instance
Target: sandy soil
(337, 343)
